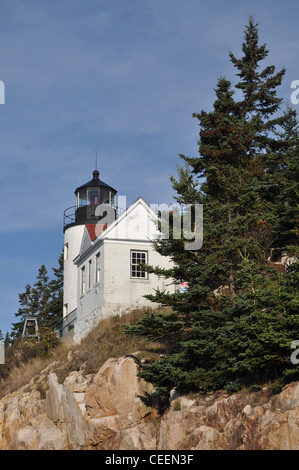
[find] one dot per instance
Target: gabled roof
(137, 223)
(86, 242)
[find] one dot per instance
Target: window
(138, 258)
(66, 251)
(94, 196)
(113, 200)
(105, 196)
(82, 198)
(98, 268)
(65, 310)
(82, 281)
(89, 274)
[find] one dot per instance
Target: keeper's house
(103, 254)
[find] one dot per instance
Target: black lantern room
(88, 197)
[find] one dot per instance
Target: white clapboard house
(103, 253)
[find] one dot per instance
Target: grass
(106, 340)
(22, 374)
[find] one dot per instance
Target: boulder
(110, 411)
(117, 390)
(39, 434)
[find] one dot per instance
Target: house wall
(72, 238)
(121, 291)
(117, 292)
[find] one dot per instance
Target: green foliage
(276, 388)
(157, 327)
(20, 352)
(254, 388)
(233, 388)
(30, 348)
(43, 300)
(239, 316)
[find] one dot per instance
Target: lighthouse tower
(88, 197)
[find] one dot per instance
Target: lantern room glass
(105, 196)
(113, 200)
(94, 196)
(82, 198)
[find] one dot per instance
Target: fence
(66, 324)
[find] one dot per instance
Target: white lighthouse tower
(87, 198)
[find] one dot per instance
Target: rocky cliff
(107, 411)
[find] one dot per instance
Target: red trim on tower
(95, 230)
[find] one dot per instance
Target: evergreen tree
(239, 315)
(7, 340)
(284, 179)
(259, 87)
(43, 300)
(55, 303)
(41, 295)
(26, 309)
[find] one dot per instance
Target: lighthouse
(104, 260)
(88, 198)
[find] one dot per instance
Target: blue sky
(120, 77)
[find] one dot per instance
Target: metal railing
(66, 324)
(69, 215)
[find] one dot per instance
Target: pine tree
(7, 340)
(41, 295)
(239, 315)
(26, 309)
(284, 176)
(55, 304)
(259, 88)
(43, 300)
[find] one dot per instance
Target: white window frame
(82, 281)
(89, 274)
(65, 310)
(98, 268)
(135, 269)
